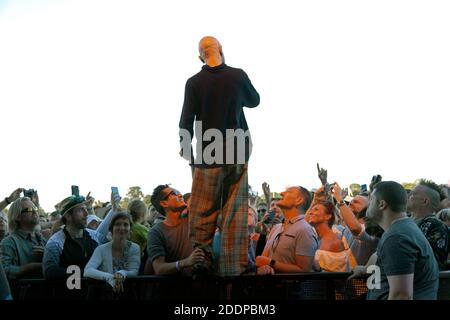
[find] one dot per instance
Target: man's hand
(358, 272)
(262, 261)
(196, 256)
(323, 175)
(336, 189)
(266, 190)
(265, 270)
(15, 195)
(115, 201)
(38, 253)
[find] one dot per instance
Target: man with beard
(405, 258)
(21, 251)
(75, 243)
(169, 250)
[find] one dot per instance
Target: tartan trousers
(221, 191)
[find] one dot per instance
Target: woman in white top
(117, 259)
(333, 254)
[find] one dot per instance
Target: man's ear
(299, 201)
(164, 204)
(382, 205)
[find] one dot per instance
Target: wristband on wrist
(272, 263)
(7, 200)
(340, 203)
(177, 265)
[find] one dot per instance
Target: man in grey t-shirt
(291, 246)
(407, 264)
(168, 246)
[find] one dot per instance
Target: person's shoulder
(134, 247)
(7, 241)
(92, 233)
(57, 238)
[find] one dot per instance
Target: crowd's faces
(318, 215)
(173, 200)
(29, 215)
(121, 229)
(274, 207)
(55, 218)
(358, 204)
(262, 209)
(78, 217)
(291, 198)
(416, 199)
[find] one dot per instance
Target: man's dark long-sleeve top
(216, 97)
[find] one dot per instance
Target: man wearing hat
(75, 243)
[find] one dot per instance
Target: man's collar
(23, 234)
(296, 218)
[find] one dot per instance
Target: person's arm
(91, 270)
(186, 124)
(5, 291)
(100, 235)
(148, 268)
(162, 267)
(10, 261)
(302, 264)
(401, 287)
(12, 197)
(349, 218)
(251, 96)
(50, 262)
(266, 191)
(134, 262)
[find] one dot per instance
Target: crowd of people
(404, 232)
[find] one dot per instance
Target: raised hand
(266, 190)
(323, 175)
(15, 194)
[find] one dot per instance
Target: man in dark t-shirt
(407, 265)
(423, 203)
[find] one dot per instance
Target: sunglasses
(262, 210)
(176, 193)
(26, 210)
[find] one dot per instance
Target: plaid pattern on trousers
(221, 191)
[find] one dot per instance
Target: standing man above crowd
(214, 99)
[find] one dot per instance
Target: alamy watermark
(235, 140)
(74, 280)
(374, 280)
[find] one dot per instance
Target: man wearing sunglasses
(22, 250)
(169, 249)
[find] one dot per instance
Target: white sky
(91, 91)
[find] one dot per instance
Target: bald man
(214, 99)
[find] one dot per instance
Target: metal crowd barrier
(279, 287)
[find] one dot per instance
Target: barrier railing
(279, 287)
